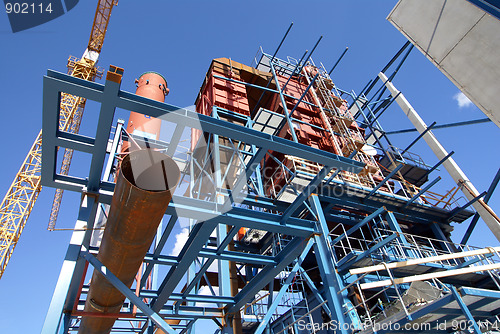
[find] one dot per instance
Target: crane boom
(18, 203)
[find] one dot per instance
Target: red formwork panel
(310, 127)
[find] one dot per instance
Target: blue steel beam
(330, 276)
(338, 60)
(161, 259)
(284, 287)
(249, 170)
(72, 269)
(471, 323)
(164, 237)
(237, 256)
(197, 239)
(383, 88)
(495, 295)
(311, 53)
(282, 40)
(56, 82)
(422, 191)
(456, 211)
(394, 226)
(442, 126)
(283, 259)
(241, 217)
(476, 259)
(418, 138)
(475, 219)
(436, 165)
(382, 107)
(372, 83)
(127, 292)
(283, 103)
(387, 178)
(362, 223)
(347, 261)
(174, 141)
(201, 272)
(314, 290)
(79, 142)
(104, 124)
(304, 194)
(181, 297)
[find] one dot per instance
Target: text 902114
(28, 8)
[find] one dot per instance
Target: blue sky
(179, 39)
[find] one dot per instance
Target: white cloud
(180, 241)
(462, 100)
(205, 291)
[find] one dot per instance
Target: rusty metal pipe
(143, 191)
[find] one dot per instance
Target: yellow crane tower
(23, 193)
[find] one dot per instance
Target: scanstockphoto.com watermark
(26, 14)
(445, 326)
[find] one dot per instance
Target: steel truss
(369, 233)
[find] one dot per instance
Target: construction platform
(288, 185)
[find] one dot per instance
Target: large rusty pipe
(143, 191)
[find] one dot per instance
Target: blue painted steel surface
(490, 6)
(347, 261)
(111, 97)
(306, 192)
(387, 178)
(72, 270)
(362, 223)
(422, 191)
(284, 258)
(284, 287)
(283, 103)
(331, 278)
(471, 323)
(127, 292)
(475, 219)
(253, 212)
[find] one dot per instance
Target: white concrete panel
(474, 64)
(435, 26)
(416, 19)
(461, 40)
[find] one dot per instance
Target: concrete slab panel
(461, 40)
(439, 25)
(474, 65)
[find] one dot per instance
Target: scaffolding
(292, 184)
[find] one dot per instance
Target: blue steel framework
(368, 227)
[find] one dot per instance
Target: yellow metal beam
(21, 197)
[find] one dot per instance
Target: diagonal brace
(126, 291)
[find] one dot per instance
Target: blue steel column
(394, 225)
(470, 319)
(119, 285)
(258, 172)
(283, 289)
(72, 269)
(192, 268)
(331, 279)
(283, 102)
(223, 265)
